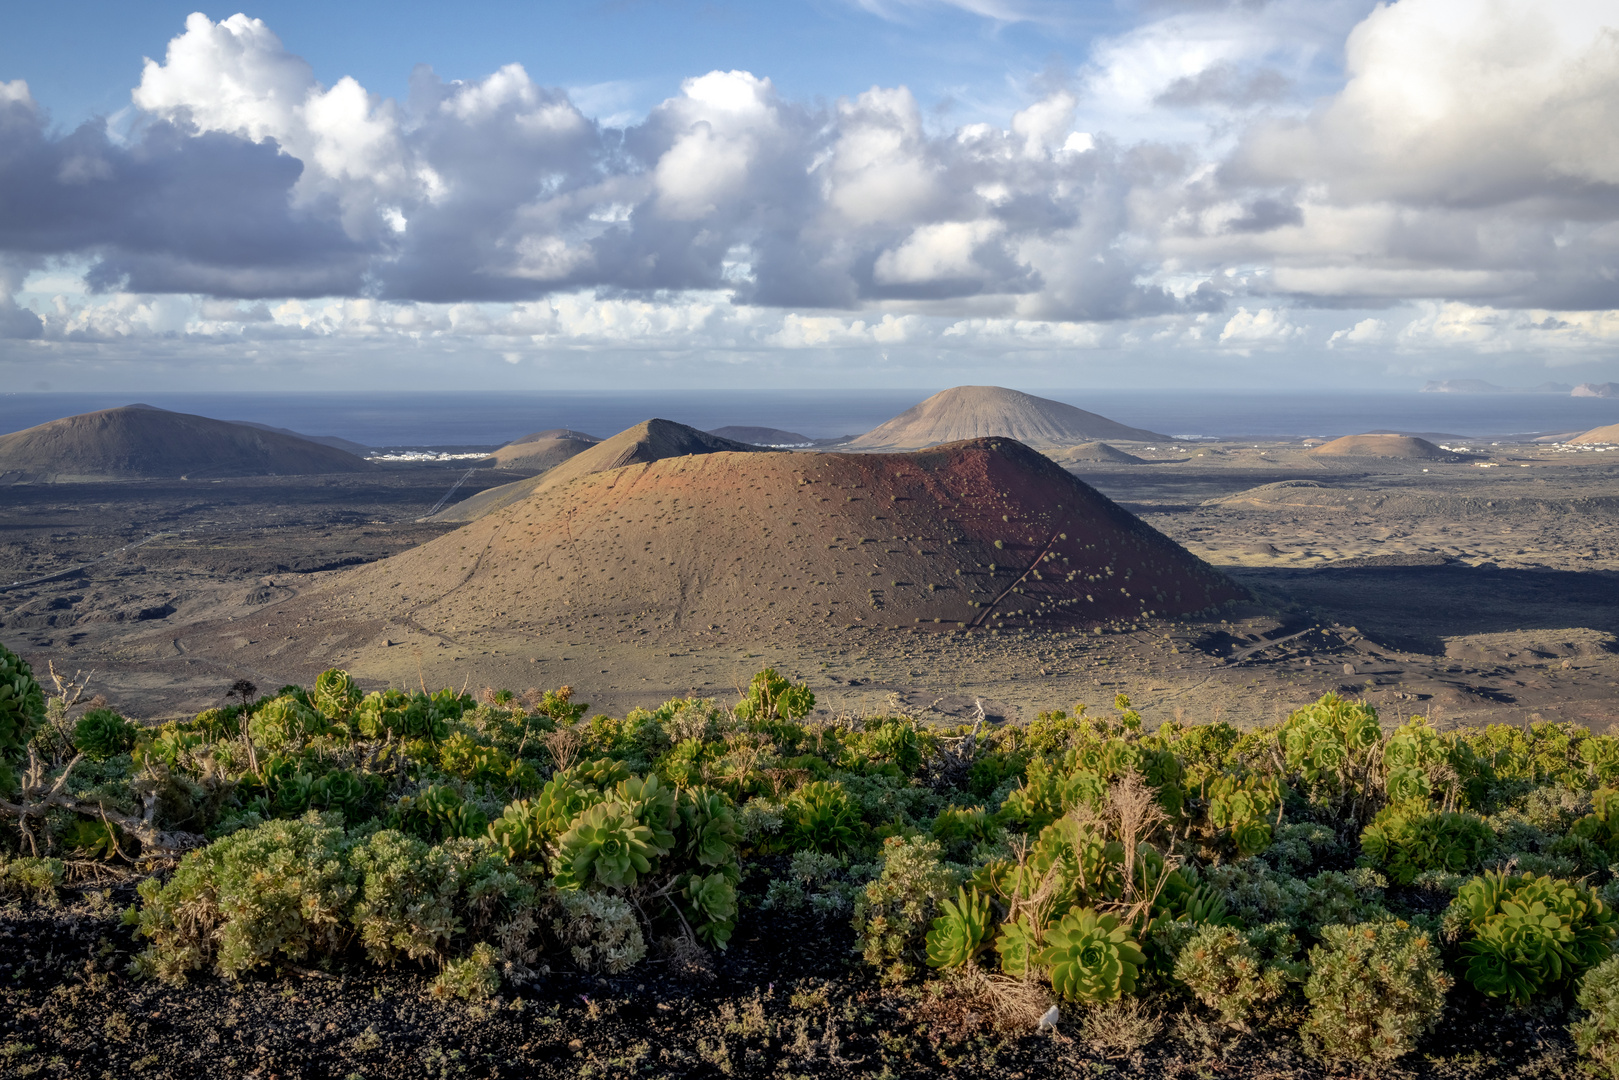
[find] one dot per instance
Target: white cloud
(1265, 327)
(1456, 191)
(939, 252)
(1365, 332)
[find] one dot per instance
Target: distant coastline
(478, 420)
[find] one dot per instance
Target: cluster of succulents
(1291, 875)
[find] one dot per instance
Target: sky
(632, 194)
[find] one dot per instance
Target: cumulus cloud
(1469, 154)
(1264, 328)
(1178, 186)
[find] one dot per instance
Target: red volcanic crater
(979, 533)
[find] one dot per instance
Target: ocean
(476, 419)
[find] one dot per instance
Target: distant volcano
(1405, 447)
(140, 441)
(976, 412)
(983, 533)
(1607, 434)
(650, 440)
(544, 449)
(763, 436)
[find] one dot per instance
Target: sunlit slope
(976, 412)
(985, 532)
(650, 440)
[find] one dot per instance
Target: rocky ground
(789, 999)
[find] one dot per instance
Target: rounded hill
(137, 441)
(1403, 447)
(978, 412)
(1094, 453)
(763, 436)
(544, 449)
(983, 533)
(1603, 435)
(650, 440)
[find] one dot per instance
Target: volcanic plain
(1481, 585)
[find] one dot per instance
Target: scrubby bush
(1596, 1033)
(1373, 990)
(600, 931)
(893, 914)
(279, 889)
(438, 832)
(1239, 972)
(30, 878)
(475, 977)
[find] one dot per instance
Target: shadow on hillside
(1415, 607)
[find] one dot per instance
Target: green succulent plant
(102, 733)
(526, 829)
(1091, 957)
(652, 804)
(1244, 806)
(821, 815)
(607, 846)
(710, 829)
(771, 697)
(282, 721)
(438, 813)
(961, 931)
(712, 900)
(1203, 905)
(1017, 943)
(1405, 840)
(335, 694)
(22, 705)
(1531, 935)
(95, 839)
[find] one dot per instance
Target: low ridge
(985, 533)
(137, 441)
(763, 436)
(1403, 447)
(976, 412)
(650, 440)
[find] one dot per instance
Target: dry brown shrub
(969, 999)
(1120, 1029)
(564, 745)
(687, 959)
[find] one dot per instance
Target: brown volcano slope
(544, 450)
(650, 440)
(979, 533)
(978, 412)
(1607, 434)
(1405, 447)
(140, 441)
